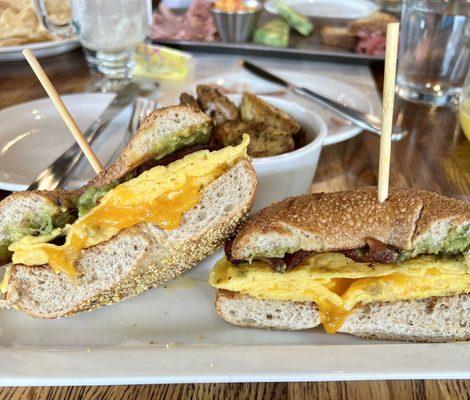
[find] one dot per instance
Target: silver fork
(143, 106)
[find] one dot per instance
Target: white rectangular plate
(173, 335)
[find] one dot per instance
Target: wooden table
(435, 155)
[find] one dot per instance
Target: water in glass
(110, 30)
(434, 50)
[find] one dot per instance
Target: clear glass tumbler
(109, 31)
(434, 50)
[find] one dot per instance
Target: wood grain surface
(433, 156)
(366, 390)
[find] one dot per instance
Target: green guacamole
(91, 197)
(184, 138)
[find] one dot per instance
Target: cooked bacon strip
(374, 252)
(176, 155)
(228, 252)
(289, 261)
(297, 258)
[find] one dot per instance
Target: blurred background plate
(338, 129)
(40, 49)
(32, 136)
(300, 48)
(343, 9)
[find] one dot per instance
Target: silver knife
(363, 120)
(56, 173)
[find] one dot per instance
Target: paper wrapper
(162, 63)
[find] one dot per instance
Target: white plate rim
(329, 139)
(158, 364)
(367, 3)
(49, 44)
(16, 187)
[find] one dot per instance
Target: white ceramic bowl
(289, 174)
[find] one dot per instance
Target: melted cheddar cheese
(337, 284)
(159, 196)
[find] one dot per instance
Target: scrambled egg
(337, 284)
(160, 196)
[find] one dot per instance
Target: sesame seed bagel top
(345, 220)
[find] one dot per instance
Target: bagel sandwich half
(397, 270)
(165, 204)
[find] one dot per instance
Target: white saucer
(32, 136)
(338, 129)
(40, 49)
(342, 9)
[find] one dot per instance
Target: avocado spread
(457, 241)
(91, 196)
(5, 254)
(184, 138)
(41, 224)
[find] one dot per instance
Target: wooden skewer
(391, 51)
(64, 113)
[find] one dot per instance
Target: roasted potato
(230, 133)
(265, 140)
(300, 139)
(186, 98)
(216, 105)
(253, 109)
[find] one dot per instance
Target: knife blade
(366, 121)
(262, 73)
(54, 175)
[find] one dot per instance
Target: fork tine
(143, 106)
(142, 109)
(148, 107)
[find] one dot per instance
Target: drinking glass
(465, 107)
(434, 50)
(109, 31)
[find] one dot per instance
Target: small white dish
(288, 174)
(338, 129)
(32, 136)
(337, 9)
(40, 49)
